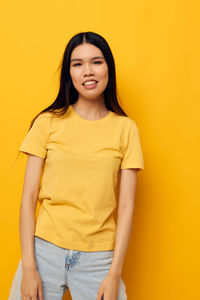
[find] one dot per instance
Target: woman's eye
(95, 62)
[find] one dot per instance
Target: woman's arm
(124, 221)
(27, 210)
(110, 285)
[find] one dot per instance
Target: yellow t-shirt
(80, 177)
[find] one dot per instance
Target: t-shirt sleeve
(133, 156)
(35, 141)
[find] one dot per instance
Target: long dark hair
(67, 93)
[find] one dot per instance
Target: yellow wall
(156, 49)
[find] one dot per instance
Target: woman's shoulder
(45, 114)
(48, 116)
(125, 121)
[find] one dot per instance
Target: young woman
(79, 149)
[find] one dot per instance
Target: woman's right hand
(31, 285)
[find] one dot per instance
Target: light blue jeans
(61, 269)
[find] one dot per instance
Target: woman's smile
(90, 85)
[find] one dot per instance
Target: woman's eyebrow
(95, 57)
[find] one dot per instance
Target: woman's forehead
(86, 51)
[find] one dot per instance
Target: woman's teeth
(89, 82)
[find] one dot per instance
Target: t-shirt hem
(131, 167)
(35, 152)
(97, 246)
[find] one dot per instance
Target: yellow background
(156, 49)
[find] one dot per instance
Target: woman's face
(88, 63)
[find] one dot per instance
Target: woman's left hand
(109, 287)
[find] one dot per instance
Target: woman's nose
(88, 69)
